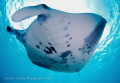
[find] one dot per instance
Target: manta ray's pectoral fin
(19, 33)
(29, 11)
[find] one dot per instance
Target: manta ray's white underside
(58, 40)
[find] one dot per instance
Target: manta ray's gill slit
(60, 25)
(65, 28)
(60, 33)
(54, 35)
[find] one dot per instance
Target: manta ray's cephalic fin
(29, 11)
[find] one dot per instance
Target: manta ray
(58, 40)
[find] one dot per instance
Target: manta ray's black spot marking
(88, 52)
(65, 54)
(80, 49)
(49, 43)
(83, 59)
(53, 49)
(47, 52)
(40, 43)
(42, 65)
(44, 50)
(37, 46)
(70, 38)
(50, 51)
(88, 47)
(68, 22)
(68, 45)
(65, 58)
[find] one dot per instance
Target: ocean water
(103, 67)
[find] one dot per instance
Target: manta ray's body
(58, 40)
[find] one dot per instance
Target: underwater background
(103, 67)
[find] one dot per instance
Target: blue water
(103, 67)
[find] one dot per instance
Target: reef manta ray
(58, 40)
